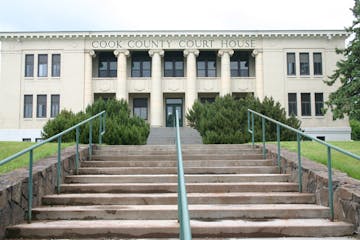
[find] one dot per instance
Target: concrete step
(170, 228)
(172, 178)
(198, 211)
(172, 187)
(173, 170)
(109, 157)
(171, 198)
(173, 163)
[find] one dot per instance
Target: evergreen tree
(346, 99)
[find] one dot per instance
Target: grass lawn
(318, 153)
(9, 148)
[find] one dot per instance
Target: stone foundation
(14, 186)
(315, 180)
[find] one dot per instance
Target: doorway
(173, 104)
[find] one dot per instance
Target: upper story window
(319, 104)
(291, 63)
(292, 104)
(41, 106)
(304, 64)
(107, 65)
(317, 63)
(305, 104)
(173, 64)
(28, 106)
(42, 65)
(239, 64)
(55, 105)
(206, 64)
(140, 64)
(55, 65)
(29, 65)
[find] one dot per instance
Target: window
(319, 104)
(173, 64)
(304, 64)
(55, 105)
(292, 104)
(41, 106)
(317, 64)
(107, 65)
(26, 139)
(28, 106)
(141, 108)
(239, 64)
(29, 65)
(207, 100)
(291, 64)
(206, 64)
(55, 65)
(140, 65)
(42, 65)
(305, 104)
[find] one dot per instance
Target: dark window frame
(305, 104)
(141, 107)
(318, 70)
(107, 58)
(29, 65)
(319, 104)
(41, 62)
(291, 66)
(304, 65)
(26, 113)
(54, 111)
(207, 58)
(238, 58)
(43, 112)
(173, 58)
(55, 65)
(141, 58)
(292, 104)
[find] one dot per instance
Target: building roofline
(173, 33)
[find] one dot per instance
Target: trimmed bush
(355, 129)
(121, 128)
(225, 120)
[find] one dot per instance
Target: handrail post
(252, 130)
(330, 185)
(30, 186)
(298, 138)
(90, 139)
(263, 136)
(100, 129)
(278, 146)
(58, 181)
(77, 150)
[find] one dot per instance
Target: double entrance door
(173, 105)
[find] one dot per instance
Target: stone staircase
(166, 136)
(130, 192)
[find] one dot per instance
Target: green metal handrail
(183, 211)
(101, 115)
(299, 134)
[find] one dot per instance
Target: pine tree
(346, 99)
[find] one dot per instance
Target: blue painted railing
(30, 150)
(183, 211)
(299, 134)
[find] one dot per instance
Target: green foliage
(120, 127)
(225, 120)
(346, 99)
(355, 129)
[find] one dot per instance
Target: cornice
(128, 34)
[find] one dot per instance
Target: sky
(95, 15)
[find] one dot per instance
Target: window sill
(306, 117)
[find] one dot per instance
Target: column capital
(222, 52)
(92, 53)
(117, 52)
(255, 52)
(188, 51)
(152, 52)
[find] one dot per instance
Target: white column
(191, 90)
(88, 91)
(156, 98)
(121, 92)
(259, 82)
(225, 55)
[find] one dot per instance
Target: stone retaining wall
(14, 187)
(315, 180)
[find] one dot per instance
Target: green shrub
(120, 127)
(355, 129)
(225, 120)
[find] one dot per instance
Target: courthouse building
(158, 72)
